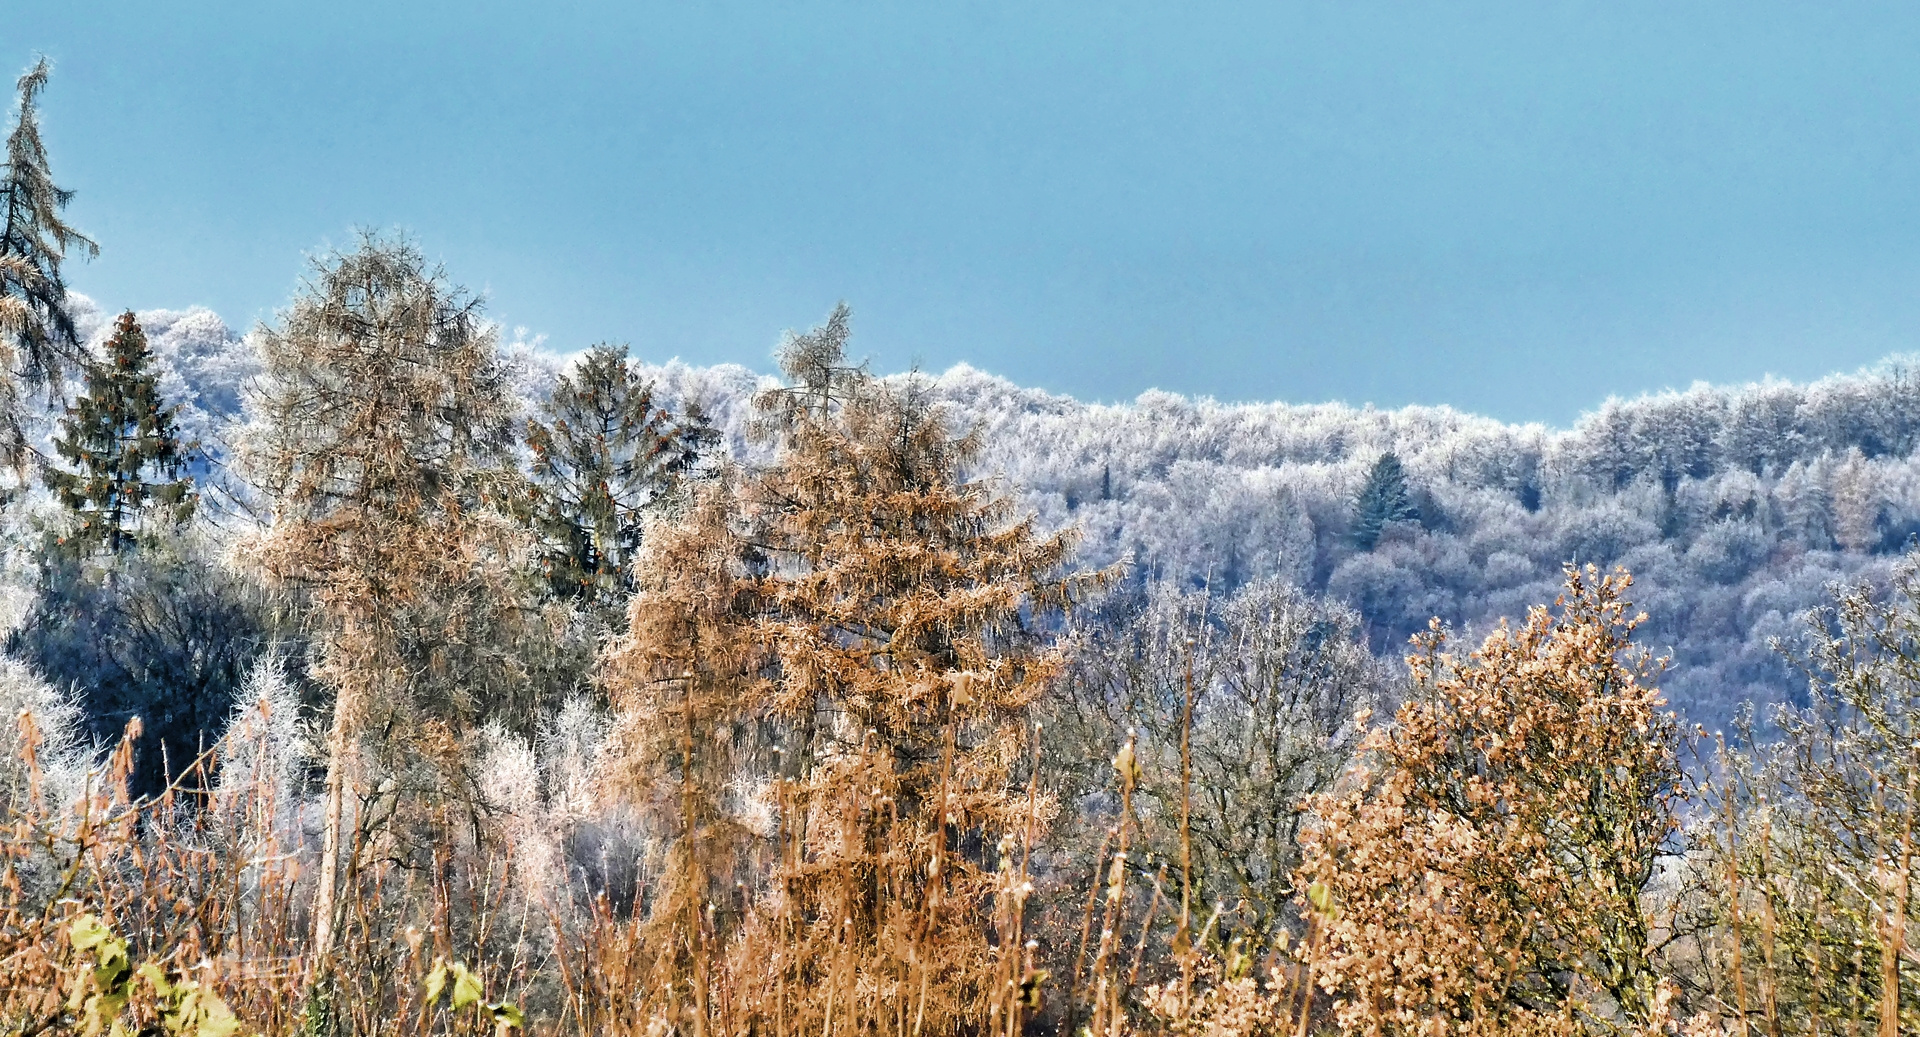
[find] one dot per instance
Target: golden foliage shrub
(1486, 867)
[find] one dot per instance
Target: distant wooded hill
(1734, 507)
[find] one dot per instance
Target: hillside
(1734, 507)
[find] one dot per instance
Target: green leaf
(156, 978)
(466, 987)
(102, 1011)
(436, 980)
(114, 970)
(88, 932)
(216, 1019)
(507, 1016)
(179, 1017)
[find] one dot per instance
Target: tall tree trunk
(326, 893)
(1894, 942)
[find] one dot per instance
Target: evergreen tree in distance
(37, 334)
(603, 452)
(1382, 501)
(119, 447)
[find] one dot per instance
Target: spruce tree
(37, 333)
(122, 456)
(1382, 501)
(603, 452)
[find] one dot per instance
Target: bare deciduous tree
(1278, 678)
(1802, 903)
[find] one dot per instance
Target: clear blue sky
(1514, 209)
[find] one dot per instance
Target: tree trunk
(326, 895)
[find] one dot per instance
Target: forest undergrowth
(1520, 849)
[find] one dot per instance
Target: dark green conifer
(120, 451)
(37, 334)
(1382, 501)
(604, 452)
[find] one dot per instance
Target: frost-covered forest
(1735, 507)
(368, 673)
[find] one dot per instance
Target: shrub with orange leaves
(1483, 868)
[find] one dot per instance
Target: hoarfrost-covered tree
(1278, 680)
(165, 634)
(118, 439)
(1802, 911)
(1857, 501)
(37, 333)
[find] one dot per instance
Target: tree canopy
(37, 331)
(123, 454)
(604, 451)
(1383, 501)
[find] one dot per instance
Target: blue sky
(1514, 209)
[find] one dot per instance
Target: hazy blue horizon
(1513, 210)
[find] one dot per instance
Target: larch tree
(901, 600)
(1382, 501)
(868, 619)
(693, 733)
(604, 452)
(1486, 867)
(383, 441)
(37, 334)
(123, 456)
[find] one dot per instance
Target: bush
(163, 635)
